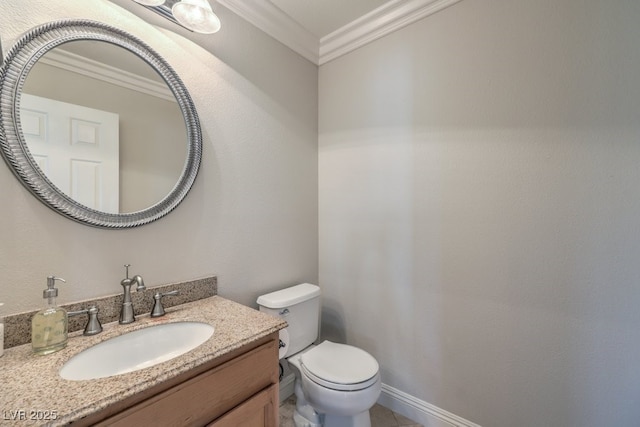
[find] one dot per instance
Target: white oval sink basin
(136, 350)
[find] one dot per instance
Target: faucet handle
(158, 309)
(93, 325)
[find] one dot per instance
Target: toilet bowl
(336, 384)
(339, 381)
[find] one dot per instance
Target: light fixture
(150, 2)
(196, 15)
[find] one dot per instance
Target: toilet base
(301, 421)
(359, 420)
(306, 416)
(326, 420)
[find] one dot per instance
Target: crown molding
(273, 21)
(97, 70)
(386, 19)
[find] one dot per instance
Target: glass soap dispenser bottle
(49, 325)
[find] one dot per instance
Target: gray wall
(478, 191)
(251, 217)
(480, 210)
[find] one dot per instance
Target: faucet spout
(126, 312)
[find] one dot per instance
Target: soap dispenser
(49, 325)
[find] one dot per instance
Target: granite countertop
(32, 388)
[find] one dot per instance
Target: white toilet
(336, 384)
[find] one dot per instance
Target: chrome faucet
(126, 313)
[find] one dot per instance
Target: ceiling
(322, 17)
(322, 30)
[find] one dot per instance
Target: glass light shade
(150, 2)
(196, 15)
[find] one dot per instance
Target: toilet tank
(299, 305)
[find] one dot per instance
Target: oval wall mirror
(97, 125)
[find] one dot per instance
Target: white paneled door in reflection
(76, 147)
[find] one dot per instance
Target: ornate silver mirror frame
(15, 68)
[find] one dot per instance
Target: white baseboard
(398, 401)
(418, 410)
(287, 386)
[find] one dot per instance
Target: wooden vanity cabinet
(239, 390)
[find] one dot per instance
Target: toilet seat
(340, 367)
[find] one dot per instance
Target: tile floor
(380, 416)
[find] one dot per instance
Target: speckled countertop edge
(31, 383)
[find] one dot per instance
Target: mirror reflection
(103, 126)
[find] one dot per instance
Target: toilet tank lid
(289, 296)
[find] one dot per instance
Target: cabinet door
(207, 396)
(259, 411)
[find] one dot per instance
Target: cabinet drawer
(259, 411)
(207, 396)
